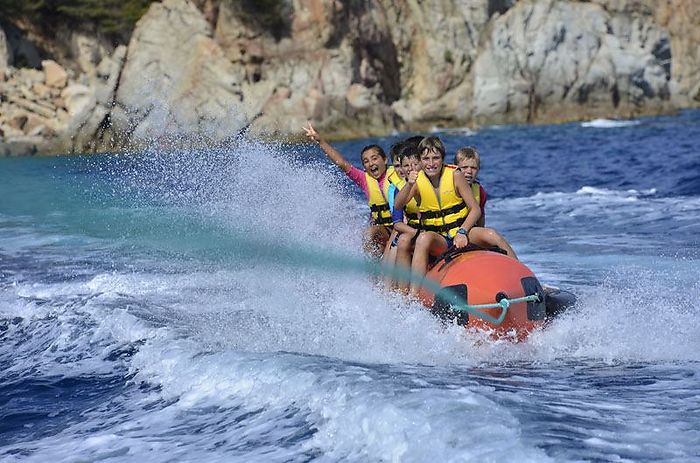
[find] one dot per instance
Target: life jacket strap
(442, 229)
(379, 208)
(442, 213)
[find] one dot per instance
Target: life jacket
(411, 209)
(443, 213)
(476, 191)
(378, 204)
(412, 213)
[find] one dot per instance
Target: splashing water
(194, 304)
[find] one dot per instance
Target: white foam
(312, 359)
(609, 123)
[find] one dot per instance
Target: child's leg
(389, 260)
(428, 244)
(403, 258)
(489, 237)
(374, 240)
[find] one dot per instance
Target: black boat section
(557, 301)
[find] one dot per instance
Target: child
(448, 209)
(406, 220)
(374, 182)
(468, 162)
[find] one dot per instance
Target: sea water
(213, 304)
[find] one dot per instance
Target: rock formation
(207, 68)
(543, 59)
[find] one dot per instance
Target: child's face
(469, 168)
(400, 170)
(431, 162)
(409, 164)
(374, 164)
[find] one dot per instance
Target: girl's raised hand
(311, 132)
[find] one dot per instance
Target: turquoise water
(209, 305)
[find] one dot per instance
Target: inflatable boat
(485, 289)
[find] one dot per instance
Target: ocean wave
(608, 203)
(609, 123)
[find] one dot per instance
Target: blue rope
(503, 304)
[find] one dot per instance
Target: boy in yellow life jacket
(406, 220)
(448, 209)
(468, 162)
(374, 182)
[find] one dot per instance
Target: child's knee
(493, 235)
(423, 241)
(405, 240)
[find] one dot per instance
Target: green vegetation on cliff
(110, 16)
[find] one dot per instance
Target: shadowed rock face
(368, 67)
(5, 52)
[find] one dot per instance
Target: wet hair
(378, 149)
(395, 151)
(468, 152)
(432, 144)
(409, 151)
(414, 141)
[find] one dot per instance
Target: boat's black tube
(558, 301)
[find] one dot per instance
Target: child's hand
(460, 240)
(412, 177)
(311, 133)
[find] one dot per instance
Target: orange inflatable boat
(488, 290)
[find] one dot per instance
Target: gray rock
(176, 80)
(79, 99)
(550, 60)
(5, 53)
(54, 75)
(88, 51)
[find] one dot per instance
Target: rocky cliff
(204, 70)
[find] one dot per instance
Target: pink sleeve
(358, 176)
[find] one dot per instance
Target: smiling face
(374, 163)
(469, 168)
(431, 162)
(409, 164)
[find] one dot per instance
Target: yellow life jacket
(378, 204)
(394, 177)
(476, 191)
(443, 213)
(412, 213)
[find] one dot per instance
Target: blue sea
(213, 304)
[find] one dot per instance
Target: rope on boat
(503, 304)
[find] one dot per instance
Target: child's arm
(333, 154)
(408, 192)
(470, 220)
(402, 227)
(397, 216)
(482, 220)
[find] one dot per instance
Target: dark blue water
(210, 305)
